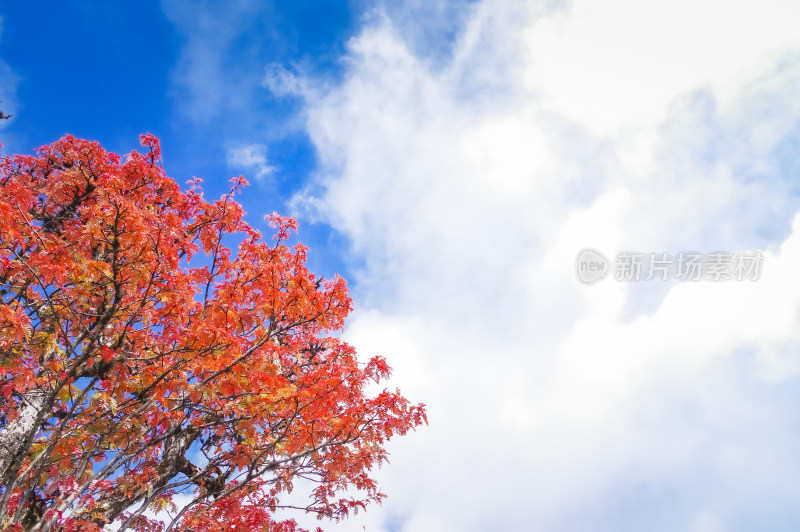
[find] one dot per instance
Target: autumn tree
(153, 378)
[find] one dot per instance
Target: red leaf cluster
(143, 362)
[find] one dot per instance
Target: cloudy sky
(450, 159)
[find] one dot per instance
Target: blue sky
(450, 159)
(189, 73)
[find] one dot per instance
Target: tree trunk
(17, 435)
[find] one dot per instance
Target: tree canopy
(147, 369)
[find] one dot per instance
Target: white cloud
(214, 74)
(252, 157)
(636, 57)
(467, 188)
(281, 82)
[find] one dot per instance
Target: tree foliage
(146, 367)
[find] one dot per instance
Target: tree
(145, 367)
